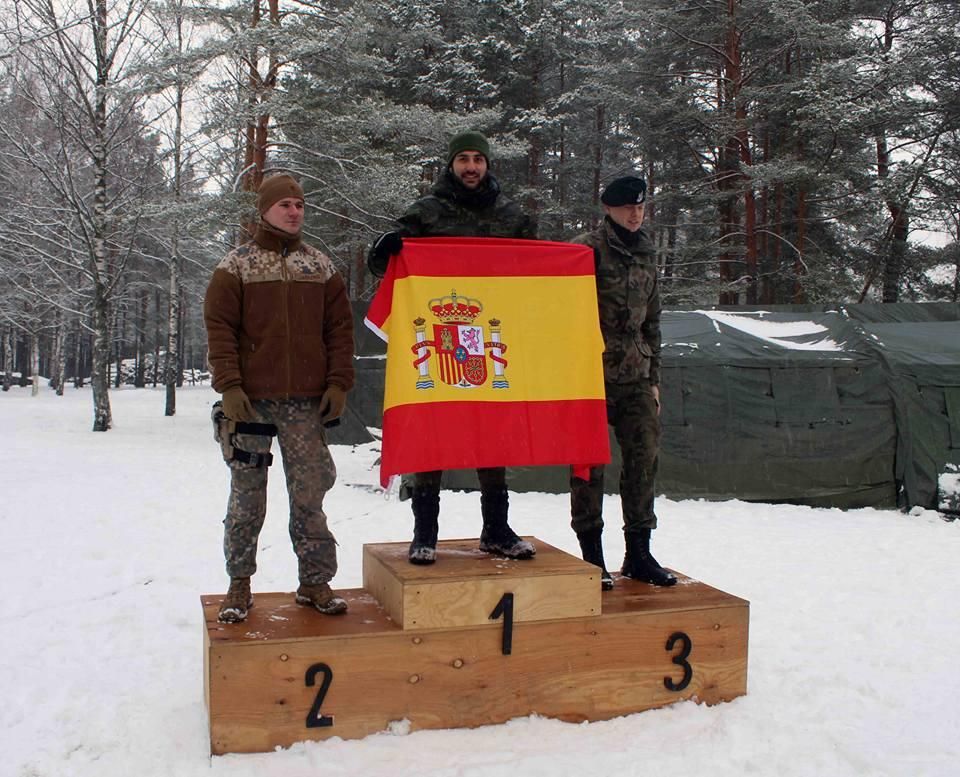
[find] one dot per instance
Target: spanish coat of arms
(459, 345)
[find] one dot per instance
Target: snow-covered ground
(110, 539)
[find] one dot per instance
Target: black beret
(629, 190)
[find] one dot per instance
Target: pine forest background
(797, 151)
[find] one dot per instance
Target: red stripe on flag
(473, 258)
(464, 435)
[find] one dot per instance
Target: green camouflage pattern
(628, 295)
(632, 412)
(451, 210)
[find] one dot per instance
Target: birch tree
(83, 53)
(172, 78)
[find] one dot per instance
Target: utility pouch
(225, 431)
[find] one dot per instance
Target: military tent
(847, 407)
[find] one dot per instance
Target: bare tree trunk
(763, 239)
(738, 158)
(778, 226)
(181, 336)
(8, 340)
(100, 365)
(34, 364)
(57, 357)
(171, 367)
(598, 154)
(99, 379)
(140, 347)
(157, 338)
(560, 184)
(118, 331)
(78, 358)
(898, 232)
(749, 204)
(896, 258)
(258, 121)
(899, 226)
(799, 269)
(172, 371)
(60, 349)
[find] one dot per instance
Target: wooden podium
(471, 640)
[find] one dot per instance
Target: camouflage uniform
(629, 302)
(310, 473)
(279, 325)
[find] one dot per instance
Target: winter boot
(426, 509)
(591, 549)
(237, 602)
(638, 564)
(497, 537)
(321, 598)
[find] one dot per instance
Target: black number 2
(314, 718)
(505, 608)
(680, 660)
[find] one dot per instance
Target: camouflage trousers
(632, 412)
(310, 472)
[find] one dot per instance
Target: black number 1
(505, 608)
(680, 660)
(314, 718)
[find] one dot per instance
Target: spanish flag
(493, 356)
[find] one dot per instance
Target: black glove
(387, 245)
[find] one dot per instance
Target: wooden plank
(587, 668)
(277, 618)
(383, 585)
(464, 586)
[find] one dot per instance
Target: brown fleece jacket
(278, 320)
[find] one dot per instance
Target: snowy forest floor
(110, 539)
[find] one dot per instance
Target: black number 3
(680, 660)
(314, 718)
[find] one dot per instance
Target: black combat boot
(592, 550)
(497, 537)
(426, 509)
(638, 564)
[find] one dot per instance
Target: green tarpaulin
(855, 406)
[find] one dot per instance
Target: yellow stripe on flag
(548, 325)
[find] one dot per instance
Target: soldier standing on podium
(280, 339)
(465, 202)
(629, 302)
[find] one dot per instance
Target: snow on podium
(471, 640)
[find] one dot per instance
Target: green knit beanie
(472, 140)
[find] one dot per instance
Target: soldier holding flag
(465, 202)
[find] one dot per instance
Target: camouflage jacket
(452, 210)
(629, 299)
(278, 321)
